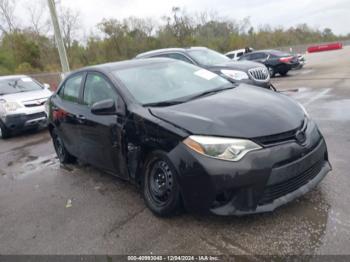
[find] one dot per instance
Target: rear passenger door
(102, 135)
(66, 110)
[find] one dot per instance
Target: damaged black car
(188, 137)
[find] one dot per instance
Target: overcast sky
(318, 13)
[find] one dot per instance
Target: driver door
(102, 136)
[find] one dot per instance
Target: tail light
(286, 59)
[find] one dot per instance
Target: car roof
(12, 77)
(167, 50)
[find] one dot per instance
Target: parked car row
(189, 127)
(242, 72)
(276, 61)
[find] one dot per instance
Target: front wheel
(271, 71)
(160, 187)
(63, 155)
(4, 132)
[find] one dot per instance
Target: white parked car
(236, 54)
(22, 104)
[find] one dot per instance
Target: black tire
(283, 73)
(63, 155)
(160, 187)
(272, 71)
(4, 132)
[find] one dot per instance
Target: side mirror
(105, 107)
(47, 86)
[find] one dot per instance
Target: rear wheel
(4, 132)
(160, 187)
(63, 155)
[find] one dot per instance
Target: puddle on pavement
(27, 165)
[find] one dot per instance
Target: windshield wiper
(164, 103)
(210, 92)
(189, 98)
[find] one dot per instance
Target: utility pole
(58, 37)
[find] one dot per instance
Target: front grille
(276, 191)
(35, 116)
(259, 74)
(35, 104)
(282, 137)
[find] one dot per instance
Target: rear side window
(240, 54)
(258, 56)
(231, 55)
(97, 89)
(179, 57)
(71, 88)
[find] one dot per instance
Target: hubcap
(0, 132)
(161, 182)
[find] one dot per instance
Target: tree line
(31, 48)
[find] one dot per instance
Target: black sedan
(188, 136)
(277, 62)
(236, 71)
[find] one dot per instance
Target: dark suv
(246, 72)
(276, 61)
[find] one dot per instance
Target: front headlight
(11, 106)
(235, 75)
(230, 149)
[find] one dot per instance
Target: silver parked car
(22, 104)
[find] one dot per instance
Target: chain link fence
(53, 79)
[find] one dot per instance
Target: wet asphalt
(105, 215)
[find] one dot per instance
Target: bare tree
(7, 18)
(70, 24)
(37, 13)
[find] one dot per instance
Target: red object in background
(325, 47)
(286, 59)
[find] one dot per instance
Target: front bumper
(17, 122)
(262, 181)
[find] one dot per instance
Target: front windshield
(168, 81)
(18, 85)
(208, 57)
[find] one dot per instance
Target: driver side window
(97, 89)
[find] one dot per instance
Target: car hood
(27, 96)
(238, 65)
(244, 112)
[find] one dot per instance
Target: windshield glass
(161, 82)
(208, 57)
(18, 85)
